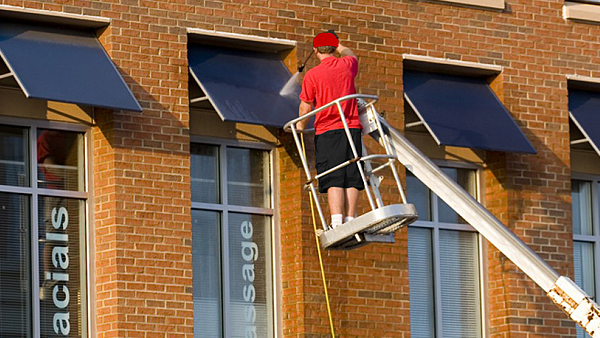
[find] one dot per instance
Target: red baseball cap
(325, 39)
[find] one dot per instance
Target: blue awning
(584, 110)
(245, 86)
(463, 112)
(62, 64)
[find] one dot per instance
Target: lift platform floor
(377, 226)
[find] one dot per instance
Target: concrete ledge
(239, 40)
(493, 4)
(50, 17)
(581, 11)
(426, 63)
(583, 82)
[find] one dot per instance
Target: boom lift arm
(561, 289)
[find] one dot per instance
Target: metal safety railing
(372, 183)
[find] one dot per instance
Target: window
(232, 220)
(586, 235)
(43, 202)
(444, 264)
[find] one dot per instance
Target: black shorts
(332, 148)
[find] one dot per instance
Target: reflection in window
(247, 175)
(581, 195)
(60, 160)
(464, 178)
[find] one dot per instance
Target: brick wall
(141, 161)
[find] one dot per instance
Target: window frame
(33, 192)
(223, 208)
(435, 227)
(595, 212)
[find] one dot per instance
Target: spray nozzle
(301, 67)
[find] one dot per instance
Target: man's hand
(345, 51)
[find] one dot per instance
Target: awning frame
(422, 121)
(7, 75)
(206, 97)
(586, 138)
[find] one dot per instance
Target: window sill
(580, 11)
(493, 4)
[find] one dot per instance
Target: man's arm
(345, 51)
(304, 109)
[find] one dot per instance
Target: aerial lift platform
(379, 224)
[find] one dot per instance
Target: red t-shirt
(330, 80)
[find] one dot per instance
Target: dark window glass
(419, 195)
(14, 168)
(248, 177)
(15, 267)
(421, 283)
(205, 173)
(206, 260)
(466, 179)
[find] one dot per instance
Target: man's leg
(351, 200)
(335, 197)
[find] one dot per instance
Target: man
(330, 80)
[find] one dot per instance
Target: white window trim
(52, 17)
(481, 244)
(276, 317)
(89, 285)
(594, 239)
(581, 11)
(235, 39)
(488, 4)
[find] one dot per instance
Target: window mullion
(437, 283)
(596, 233)
(35, 257)
(225, 242)
(595, 211)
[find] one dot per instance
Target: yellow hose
(314, 219)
